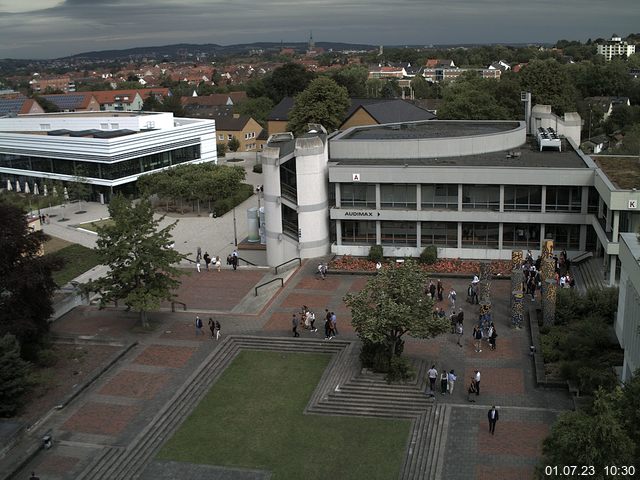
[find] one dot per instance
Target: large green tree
(142, 265)
(472, 98)
(287, 81)
(393, 304)
(26, 285)
(353, 78)
(14, 373)
(549, 84)
(256, 108)
(324, 102)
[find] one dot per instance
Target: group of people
(533, 279)
(214, 326)
(447, 381)
(490, 334)
(209, 261)
(307, 318)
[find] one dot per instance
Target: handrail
(173, 305)
(247, 261)
(267, 283)
(289, 261)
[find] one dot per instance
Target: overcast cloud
(54, 28)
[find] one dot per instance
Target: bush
(375, 356)
(375, 253)
(14, 376)
(222, 149)
(257, 168)
(46, 358)
(400, 370)
(429, 255)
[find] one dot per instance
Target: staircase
(342, 390)
(589, 275)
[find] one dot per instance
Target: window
(594, 198)
(398, 233)
(481, 197)
(564, 236)
(221, 136)
(443, 234)
(440, 197)
(229, 137)
(358, 232)
(520, 235)
(45, 126)
(522, 198)
(104, 126)
(480, 235)
(358, 195)
(290, 222)
(402, 196)
(288, 180)
(115, 126)
(564, 199)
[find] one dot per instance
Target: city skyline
(41, 29)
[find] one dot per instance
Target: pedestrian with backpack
(199, 326)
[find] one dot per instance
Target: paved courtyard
(115, 409)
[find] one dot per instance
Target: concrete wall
(358, 118)
(569, 126)
(628, 317)
(86, 121)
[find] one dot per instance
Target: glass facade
(290, 222)
(439, 197)
(481, 197)
(480, 235)
(440, 234)
(356, 232)
(101, 170)
(401, 196)
(358, 195)
(288, 180)
(523, 235)
(564, 199)
(399, 233)
(522, 198)
(564, 236)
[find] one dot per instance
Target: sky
(57, 28)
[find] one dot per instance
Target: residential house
(74, 102)
(615, 47)
(215, 100)
(63, 83)
(439, 63)
(607, 104)
(381, 71)
(500, 65)
(18, 105)
(242, 127)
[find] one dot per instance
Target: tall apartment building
(615, 47)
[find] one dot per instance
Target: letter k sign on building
(356, 177)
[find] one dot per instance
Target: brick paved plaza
(114, 410)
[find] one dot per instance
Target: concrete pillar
(543, 201)
(378, 196)
(459, 197)
(549, 292)
(338, 201)
(459, 234)
(500, 232)
(418, 197)
(501, 206)
(616, 225)
(583, 238)
(608, 222)
(584, 203)
(612, 269)
(378, 233)
(338, 232)
(418, 234)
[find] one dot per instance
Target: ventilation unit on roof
(548, 138)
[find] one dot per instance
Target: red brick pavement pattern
(506, 381)
(56, 464)
(90, 320)
(492, 472)
(424, 349)
(316, 302)
(316, 283)
(522, 439)
(135, 384)
(358, 284)
(212, 290)
(101, 418)
(165, 356)
(186, 329)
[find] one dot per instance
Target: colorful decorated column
(517, 308)
(516, 259)
(549, 290)
(486, 272)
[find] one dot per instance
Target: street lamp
(235, 230)
(258, 192)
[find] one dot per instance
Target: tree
(471, 98)
(141, 263)
(221, 149)
(80, 188)
(256, 108)
(324, 102)
(174, 105)
(549, 84)
(26, 285)
(14, 373)
(354, 79)
(393, 304)
(287, 81)
(47, 105)
(233, 144)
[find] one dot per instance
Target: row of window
(517, 198)
(445, 234)
(107, 171)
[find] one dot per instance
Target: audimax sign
(361, 213)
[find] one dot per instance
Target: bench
(581, 258)
(573, 388)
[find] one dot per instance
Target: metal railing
(247, 261)
(173, 305)
(289, 261)
(267, 283)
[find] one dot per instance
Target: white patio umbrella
(36, 190)
(18, 189)
(46, 192)
(27, 189)
(55, 191)
(9, 186)
(66, 194)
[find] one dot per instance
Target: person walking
(492, 338)
(452, 298)
(451, 381)
(477, 336)
(460, 332)
(432, 290)
(334, 323)
(217, 330)
(198, 265)
(433, 375)
(207, 260)
(212, 327)
(440, 290)
(444, 382)
(312, 321)
(218, 264)
(198, 326)
(471, 390)
(477, 379)
(493, 418)
(327, 325)
(294, 323)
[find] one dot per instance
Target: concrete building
(474, 189)
(109, 150)
(628, 320)
(615, 47)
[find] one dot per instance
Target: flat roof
(528, 156)
(429, 129)
(622, 170)
(101, 113)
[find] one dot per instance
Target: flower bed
(444, 265)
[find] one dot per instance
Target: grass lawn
(93, 226)
(77, 260)
(252, 418)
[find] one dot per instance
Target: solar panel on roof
(65, 102)
(11, 106)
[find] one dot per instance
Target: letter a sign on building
(356, 177)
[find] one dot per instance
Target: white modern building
(474, 189)
(109, 149)
(615, 47)
(628, 320)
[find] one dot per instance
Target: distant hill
(210, 49)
